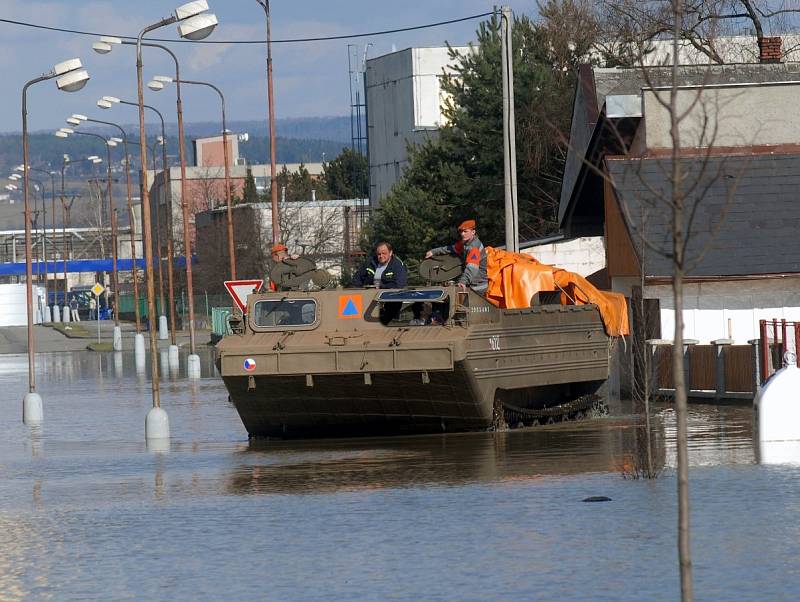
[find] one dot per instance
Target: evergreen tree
(250, 194)
(347, 176)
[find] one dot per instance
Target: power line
(286, 41)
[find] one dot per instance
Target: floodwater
(88, 513)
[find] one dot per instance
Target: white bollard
(32, 412)
(174, 358)
(47, 317)
(163, 331)
(65, 317)
(193, 366)
(163, 357)
(57, 314)
(138, 348)
(118, 364)
(140, 362)
(156, 425)
(117, 341)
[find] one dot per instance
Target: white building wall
(404, 105)
(584, 256)
(721, 310)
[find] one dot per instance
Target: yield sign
(239, 289)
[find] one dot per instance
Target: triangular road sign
(240, 289)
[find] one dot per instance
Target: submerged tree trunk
(678, 248)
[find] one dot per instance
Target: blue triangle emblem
(350, 309)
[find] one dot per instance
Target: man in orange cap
(470, 250)
(280, 252)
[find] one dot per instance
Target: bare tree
(630, 26)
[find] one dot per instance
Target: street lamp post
(79, 118)
(158, 84)
(276, 228)
(65, 210)
(71, 77)
(106, 102)
(104, 46)
(195, 24)
(117, 338)
(46, 308)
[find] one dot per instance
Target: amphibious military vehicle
(337, 362)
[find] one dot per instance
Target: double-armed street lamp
(70, 76)
(157, 84)
(194, 23)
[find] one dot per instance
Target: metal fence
(204, 304)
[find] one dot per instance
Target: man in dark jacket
(383, 270)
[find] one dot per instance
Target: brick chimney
(769, 49)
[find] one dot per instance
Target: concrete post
(719, 366)
(687, 364)
(756, 364)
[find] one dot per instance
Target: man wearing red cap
(470, 250)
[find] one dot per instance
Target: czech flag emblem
(249, 364)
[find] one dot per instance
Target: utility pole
(509, 132)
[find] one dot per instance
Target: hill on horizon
(333, 128)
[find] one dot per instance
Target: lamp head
(190, 9)
(198, 27)
(60, 134)
(66, 130)
(103, 104)
(73, 121)
(73, 81)
(116, 139)
(105, 44)
(97, 160)
(14, 176)
(111, 142)
(112, 99)
(155, 86)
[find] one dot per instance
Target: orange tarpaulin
(515, 278)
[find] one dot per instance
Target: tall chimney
(769, 49)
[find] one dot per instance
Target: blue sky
(310, 78)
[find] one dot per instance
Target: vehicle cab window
(279, 313)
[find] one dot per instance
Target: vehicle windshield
(415, 307)
(285, 312)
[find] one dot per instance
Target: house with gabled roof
(741, 154)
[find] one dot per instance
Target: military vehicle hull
(344, 376)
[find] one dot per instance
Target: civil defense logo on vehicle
(249, 364)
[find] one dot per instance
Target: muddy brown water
(88, 513)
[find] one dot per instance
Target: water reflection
(85, 503)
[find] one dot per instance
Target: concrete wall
(709, 306)
(584, 256)
(732, 115)
(404, 102)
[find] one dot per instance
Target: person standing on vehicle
(471, 251)
(383, 270)
(280, 253)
